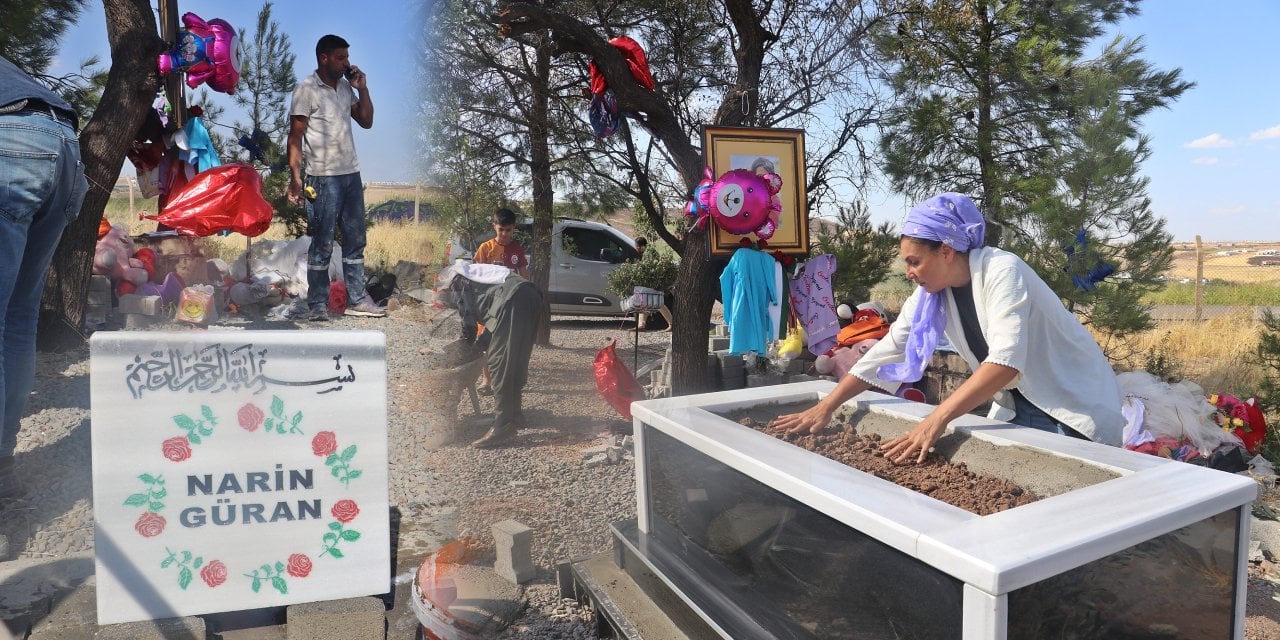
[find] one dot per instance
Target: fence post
(1199, 278)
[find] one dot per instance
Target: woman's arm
(980, 387)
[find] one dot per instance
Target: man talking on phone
(324, 104)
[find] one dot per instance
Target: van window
(598, 246)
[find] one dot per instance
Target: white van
(583, 253)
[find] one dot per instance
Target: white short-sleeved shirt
(327, 146)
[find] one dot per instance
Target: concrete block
(614, 454)
(728, 360)
(337, 619)
(99, 283)
(763, 379)
(655, 377)
(594, 451)
(628, 443)
(513, 544)
(139, 304)
(134, 321)
(796, 365)
(721, 330)
(801, 377)
(163, 629)
(99, 298)
(719, 344)
(73, 617)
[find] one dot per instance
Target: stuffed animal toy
(207, 52)
(696, 209)
(742, 202)
(113, 257)
(1241, 417)
(840, 360)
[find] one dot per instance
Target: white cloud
(1266, 134)
(1211, 141)
(1227, 211)
(1206, 161)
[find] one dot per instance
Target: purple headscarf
(954, 220)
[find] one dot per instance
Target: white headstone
(237, 470)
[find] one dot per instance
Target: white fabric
(327, 146)
(1061, 369)
(482, 273)
(1135, 434)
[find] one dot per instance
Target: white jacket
(1061, 370)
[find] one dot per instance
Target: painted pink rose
(250, 417)
(299, 565)
(324, 443)
(214, 573)
(150, 524)
(345, 510)
(176, 449)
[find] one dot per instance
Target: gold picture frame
(725, 148)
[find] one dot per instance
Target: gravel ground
(442, 489)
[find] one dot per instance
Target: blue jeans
(42, 186)
(1029, 415)
(339, 205)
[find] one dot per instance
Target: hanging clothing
(814, 304)
(746, 290)
(196, 145)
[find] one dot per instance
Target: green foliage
(653, 270)
(31, 29)
(997, 100)
(1267, 356)
(863, 252)
(1218, 293)
(1162, 362)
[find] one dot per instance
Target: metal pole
(173, 86)
(1199, 278)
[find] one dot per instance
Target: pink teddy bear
(113, 257)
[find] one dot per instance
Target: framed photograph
(780, 151)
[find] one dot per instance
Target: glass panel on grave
(1178, 585)
(804, 573)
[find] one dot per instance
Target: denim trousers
(1029, 415)
(42, 186)
(338, 206)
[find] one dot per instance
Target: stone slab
(186, 628)
(337, 619)
(73, 616)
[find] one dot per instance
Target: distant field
(1228, 268)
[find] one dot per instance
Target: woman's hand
(812, 420)
(918, 440)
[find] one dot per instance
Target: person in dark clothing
(42, 186)
(507, 310)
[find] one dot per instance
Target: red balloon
(223, 198)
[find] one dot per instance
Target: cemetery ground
(440, 489)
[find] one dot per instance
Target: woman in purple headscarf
(1030, 356)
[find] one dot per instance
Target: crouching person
(507, 305)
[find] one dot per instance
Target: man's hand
(295, 191)
(812, 420)
(359, 81)
(918, 440)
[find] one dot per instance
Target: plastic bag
(1177, 411)
(195, 305)
(615, 382)
(225, 198)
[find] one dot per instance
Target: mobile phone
(349, 73)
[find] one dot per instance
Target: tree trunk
(542, 190)
(131, 86)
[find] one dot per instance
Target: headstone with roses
(237, 470)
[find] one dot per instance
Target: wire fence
(1212, 279)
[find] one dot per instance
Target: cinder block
(800, 377)
(135, 321)
(728, 360)
(186, 627)
(721, 331)
(513, 543)
(336, 619)
(99, 298)
(796, 365)
(719, 344)
(99, 283)
(139, 304)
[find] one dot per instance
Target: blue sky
(1216, 152)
